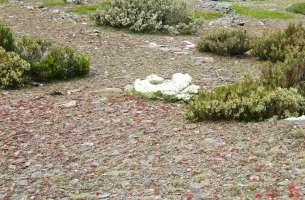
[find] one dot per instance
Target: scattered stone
(153, 45)
(36, 174)
(75, 182)
(2, 194)
(22, 183)
(69, 92)
(302, 118)
(198, 196)
(111, 90)
(69, 104)
(201, 60)
(189, 45)
(56, 93)
(95, 164)
(196, 186)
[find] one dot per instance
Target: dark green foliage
(59, 64)
(297, 8)
(12, 69)
(228, 43)
(33, 50)
(171, 16)
(290, 73)
(245, 101)
(276, 46)
(7, 40)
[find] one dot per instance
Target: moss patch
(88, 9)
(260, 13)
(200, 14)
(53, 4)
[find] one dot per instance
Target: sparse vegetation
(229, 43)
(170, 16)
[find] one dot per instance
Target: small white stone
(302, 118)
(69, 104)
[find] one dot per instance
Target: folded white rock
(301, 118)
(180, 86)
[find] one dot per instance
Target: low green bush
(290, 73)
(12, 69)
(61, 64)
(33, 49)
(7, 40)
(298, 8)
(276, 46)
(245, 101)
(170, 16)
(228, 43)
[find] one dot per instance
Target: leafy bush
(61, 63)
(235, 42)
(276, 46)
(290, 73)
(33, 50)
(7, 40)
(12, 69)
(171, 16)
(245, 101)
(297, 8)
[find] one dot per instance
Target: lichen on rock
(180, 87)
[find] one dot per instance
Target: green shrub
(290, 73)
(245, 101)
(171, 16)
(298, 8)
(7, 40)
(61, 63)
(229, 43)
(276, 46)
(12, 69)
(33, 50)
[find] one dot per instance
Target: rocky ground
(83, 139)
